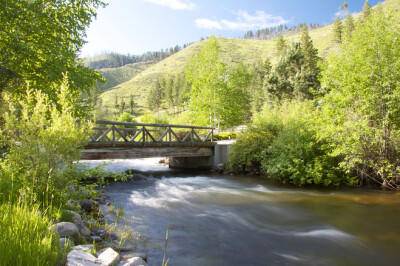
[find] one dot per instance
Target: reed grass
(25, 236)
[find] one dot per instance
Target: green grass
(115, 76)
(25, 237)
(233, 51)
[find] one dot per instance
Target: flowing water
(220, 220)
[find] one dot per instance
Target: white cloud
(208, 24)
(174, 4)
(244, 21)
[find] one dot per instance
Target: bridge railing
(125, 134)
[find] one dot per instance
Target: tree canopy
(40, 41)
(360, 113)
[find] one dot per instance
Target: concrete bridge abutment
(220, 155)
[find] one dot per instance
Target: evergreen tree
(366, 10)
(169, 91)
(349, 25)
(281, 46)
(131, 103)
(310, 53)
(116, 105)
(154, 97)
(337, 31)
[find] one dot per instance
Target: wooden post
(170, 136)
(144, 136)
(212, 135)
(192, 137)
(113, 135)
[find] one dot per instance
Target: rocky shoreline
(96, 224)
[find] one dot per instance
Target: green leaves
(42, 141)
(40, 41)
(360, 113)
(217, 98)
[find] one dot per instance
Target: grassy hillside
(122, 74)
(232, 51)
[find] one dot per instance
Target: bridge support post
(219, 156)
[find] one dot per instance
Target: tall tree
(360, 113)
(337, 31)
(40, 41)
(217, 99)
(366, 10)
(281, 46)
(310, 53)
(349, 25)
(131, 103)
(154, 96)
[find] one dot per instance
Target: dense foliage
(353, 134)
(217, 97)
(40, 41)
(360, 112)
(41, 142)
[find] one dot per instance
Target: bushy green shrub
(42, 142)
(229, 135)
(282, 143)
(25, 236)
(153, 119)
(295, 156)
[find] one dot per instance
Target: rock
(109, 257)
(88, 205)
(66, 229)
(112, 236)
(80, 257)
(87, 248)
(79, 223)
(66, 243)
(96, 238)
(135, 261)
(132, 255)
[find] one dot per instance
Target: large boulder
(67, 230)
(79, 257)
(77, 219)
(89, 205)
(136, 261)
(109, 257)
(87, 248)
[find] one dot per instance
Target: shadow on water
(233, 220)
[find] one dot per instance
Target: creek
(237, 220)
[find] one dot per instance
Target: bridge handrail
(106, 122)
(142, 135)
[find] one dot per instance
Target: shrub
(229, 135)
(42, 142)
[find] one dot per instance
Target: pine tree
(281, 46)
(154, 97)
(131, 103)
(337, 31)
(116, 105)
(349, 25)
(366, 10)
(310, 53)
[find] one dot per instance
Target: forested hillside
(250, 52)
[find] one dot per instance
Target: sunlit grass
(25, 237)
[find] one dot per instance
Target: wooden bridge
(123, 140)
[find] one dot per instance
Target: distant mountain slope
(115, 76)
(233, 51)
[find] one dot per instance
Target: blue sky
(138, 26)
